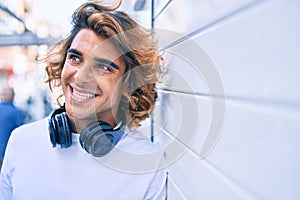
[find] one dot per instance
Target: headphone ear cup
(65, 136)
(99, 138)
(59, 130)
(52, 128)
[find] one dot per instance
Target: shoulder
(19, 110)
(135, 153)
(138, 142)
(31, 131)
(27, 140)
(10, 108)
(32, 126)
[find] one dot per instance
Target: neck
(77, 125)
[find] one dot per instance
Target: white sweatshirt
(34, 170)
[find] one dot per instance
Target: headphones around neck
(98, 138)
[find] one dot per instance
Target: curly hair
(138, 49)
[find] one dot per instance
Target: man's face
(92, 69)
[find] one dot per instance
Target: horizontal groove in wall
(233, 184)
(203, 95)
(194, 153)
(170, 179)
(165, 6)
(270, 106)
(211, 24)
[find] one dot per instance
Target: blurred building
(22, 38)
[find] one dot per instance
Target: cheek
(67, 72)
(105, 83)
(109, 86)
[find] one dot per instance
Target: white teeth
(83, 95)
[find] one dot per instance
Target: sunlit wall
(230, 106)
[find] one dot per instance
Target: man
(107, 68)
(10, 117)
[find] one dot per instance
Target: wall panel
(254, 48)
(187, 16)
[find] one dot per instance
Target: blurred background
(239, 140)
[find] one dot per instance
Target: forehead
(91, 45)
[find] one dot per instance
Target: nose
(84, 73)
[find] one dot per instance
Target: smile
(82, 95)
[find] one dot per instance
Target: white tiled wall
(251, 127)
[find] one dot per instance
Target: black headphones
(98, 138)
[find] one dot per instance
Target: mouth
(81, 95)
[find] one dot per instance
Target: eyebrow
(74, 51)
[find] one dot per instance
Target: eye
(74, 59)
(104, 67)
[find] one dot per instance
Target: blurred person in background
(107, 67)
(10, 117)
